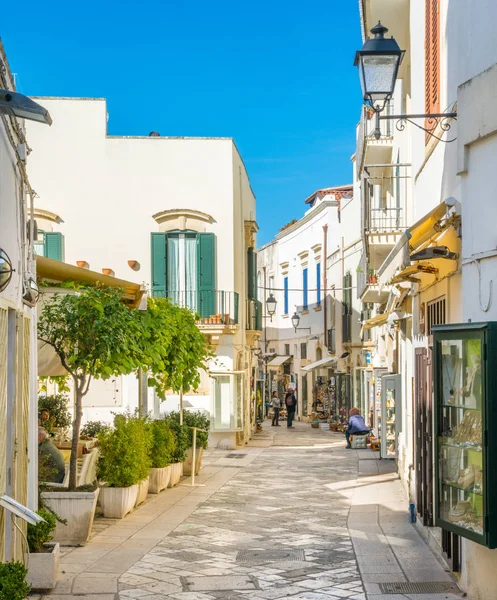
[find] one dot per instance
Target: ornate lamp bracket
(433, 122)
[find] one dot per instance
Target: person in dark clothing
(276, 405)
(52, 456)
(356, 425)
(290, 405)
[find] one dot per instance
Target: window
(432, 58)
(436, 313)
(304, 286)
(285, 292)
(227, 400)
(367, 310)
(184, 269)
(271, 283)
(287, 349)
(49, 244)
(303, 350)
(319, 354)
(252, 274)
(331, 341)
(318, 284)
(347, 308)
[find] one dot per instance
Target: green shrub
(194, 419)
(56, 404)
(13, 585)
(181, 439)
(93, 428)
(41, 533)
(163, 443)
(125, 451)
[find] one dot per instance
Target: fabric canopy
(278, 361)
(319, 363)
(376, 321)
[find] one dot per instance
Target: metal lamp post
(296, 323)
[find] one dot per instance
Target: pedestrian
(290, 405)
(52, 457)
(267, 404)
(357, 426)
(276, 405)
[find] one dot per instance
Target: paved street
(293, 515)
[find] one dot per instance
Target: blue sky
(276, 76)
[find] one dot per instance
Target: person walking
(276, 405)
(290, 405)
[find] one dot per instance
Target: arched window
(319, 354)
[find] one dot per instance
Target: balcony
(370, 149)
(368, 289)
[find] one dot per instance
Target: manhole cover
(427, 587)
(270, 555)
(234, 455)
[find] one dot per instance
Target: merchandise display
(389, 421)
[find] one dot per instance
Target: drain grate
(270, 555)
(426, 587)
(235, 455)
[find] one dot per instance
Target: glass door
(390, 415)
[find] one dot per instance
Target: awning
(408, 273)
(412, 238)
(319, 363)
(376, 321)
(278, 361)
(55, 270)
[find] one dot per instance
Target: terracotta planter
(142, 492)
(78, 509)
(187, 465)
(176, 470)
(118, 502)
(43, 569)
(159, 479)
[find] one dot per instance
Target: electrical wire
(329, 289)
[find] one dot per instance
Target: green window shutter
(54, 245)
(158, 253)
(252, 273)
(206, 274)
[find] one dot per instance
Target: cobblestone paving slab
(280, 502)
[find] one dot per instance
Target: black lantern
(295, 321)
(271, 305)
(378, 62)
(6, 270)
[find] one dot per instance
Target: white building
(311, 269)
(177, 214)
(18, 374)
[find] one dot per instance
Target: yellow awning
(376, 321)
(408, 273)
(57, 271)
(424, 229)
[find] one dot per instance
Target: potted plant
(202, 423)
(13, 584)
(44, 555)
(92, 429)
(181, 442)
(124, 462)
(161, 455)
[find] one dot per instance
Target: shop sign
(368, 358)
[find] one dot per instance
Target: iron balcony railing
(385, 192)
(211, 306)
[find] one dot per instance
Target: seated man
(52, 457)
(357, 426)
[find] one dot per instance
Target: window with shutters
(331, 341)
(305, 298)
(318, 284)
(184, 270)
(252, 274)
(436, 313)
(432, 58)
(347, 308)
(49, 244)
(285, 295)
(287, 349)
(303, 350)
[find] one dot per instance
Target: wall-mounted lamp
(19, 105)
(296, 322)
(271, 306)
(31, 291)
(6, 270)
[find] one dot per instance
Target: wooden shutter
(206, 274)
(159, 265)
(285, 296)
(304, 285)
(252, 274)
(54, 245)
(432, 59)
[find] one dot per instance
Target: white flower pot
(176, 471)
(159, 479)
(187, 465)
(78, 509)
(142, 491)
(118, 502)
(43, 569)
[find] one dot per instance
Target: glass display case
(464, 414)
(389, 421)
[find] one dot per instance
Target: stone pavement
(294, 515)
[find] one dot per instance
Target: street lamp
(378, 62)
(19, 105)
(296, 322)
(271, 306)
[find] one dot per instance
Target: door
(424, 435)
(391, 415)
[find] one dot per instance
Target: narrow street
(293, 515)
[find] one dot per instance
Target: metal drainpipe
(325, 282)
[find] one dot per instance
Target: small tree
(95, 336)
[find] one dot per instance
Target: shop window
(318, 284)
(285, 295)
(227, 400)
(303, 350)
(49, 244)
(436, 313)
(305, 298)
(287, 349)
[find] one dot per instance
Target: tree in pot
(124, 462)
(44, 557)
(181, 443)
(161, 454)
(199, 420)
